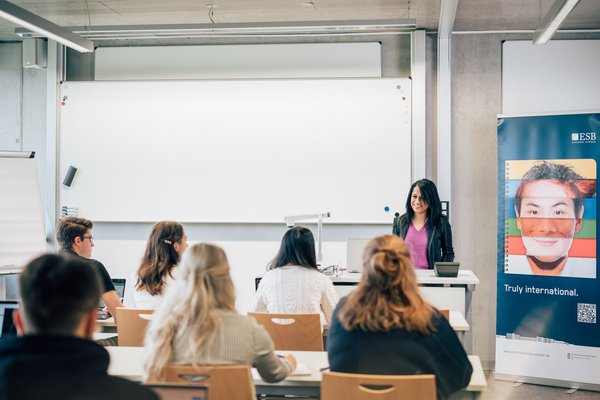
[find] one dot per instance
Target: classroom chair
(231, 382)
(131, 325)
(337, 385)
(179, 391)
(446, 313)
(300, 332)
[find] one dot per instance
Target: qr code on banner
(586, 313)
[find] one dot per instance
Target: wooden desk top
(127, 362)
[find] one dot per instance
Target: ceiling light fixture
(553, 19)
(359, 27)
(43, 27)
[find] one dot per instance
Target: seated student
(294, 284)
(74, 235)
(385, 327)
(55, 358)
(197, 322)
(164, 248)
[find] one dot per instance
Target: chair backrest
(178, 391)
(337, 385)
(300, 332)
(131, 325)
(445, 312)
(232, 382)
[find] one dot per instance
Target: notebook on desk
(6, 311)
(354, 252)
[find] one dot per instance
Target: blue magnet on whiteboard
(386, 209)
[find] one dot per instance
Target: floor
(504, 390)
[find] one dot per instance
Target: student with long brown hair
(294, 283)
(197, 322)
(385, 327)
(164, 248)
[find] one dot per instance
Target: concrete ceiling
(472, 15)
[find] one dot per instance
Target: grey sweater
(238, 340)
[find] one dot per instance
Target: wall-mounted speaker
(69, 176)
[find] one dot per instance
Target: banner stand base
(547, 382)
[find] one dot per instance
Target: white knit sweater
(294, 289)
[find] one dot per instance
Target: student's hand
(292, 360)
(106, 311)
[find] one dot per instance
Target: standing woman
(385, 327)
(164, 248)
(293, 283)
(197, 323)
(424, 229)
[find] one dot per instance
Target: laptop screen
(354, 252)
(6, 311)
(119, 285)
(173, 391)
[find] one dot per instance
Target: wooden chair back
(337, 385)
(179, 391)
(131, 325)
(446, 313)
(300, 332)
(232, 382)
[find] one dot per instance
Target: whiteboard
(236, 151)
(561, 75)
(21, 223)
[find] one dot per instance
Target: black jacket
(439, 239)
(400, 352)
(61, 368)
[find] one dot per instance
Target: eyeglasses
(91, 238)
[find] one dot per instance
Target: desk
(452, 293)
(108, 322)
(127, 362)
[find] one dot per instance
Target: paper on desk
(301, 370)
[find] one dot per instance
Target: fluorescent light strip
(43, 27)
(553, 19)
(243, 29)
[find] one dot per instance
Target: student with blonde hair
(164, 248)
(197, 322)
(385, 327)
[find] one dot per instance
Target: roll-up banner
(547, 329)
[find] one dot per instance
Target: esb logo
(583, 136)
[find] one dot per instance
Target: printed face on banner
(547, 220)
(545, 225)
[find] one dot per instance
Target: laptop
(446, 269)
(6, 311)
(119, 285)
(354, 253)
(179, 391)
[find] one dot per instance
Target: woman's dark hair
(297, 248)
(429, 196)
(160, 256)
